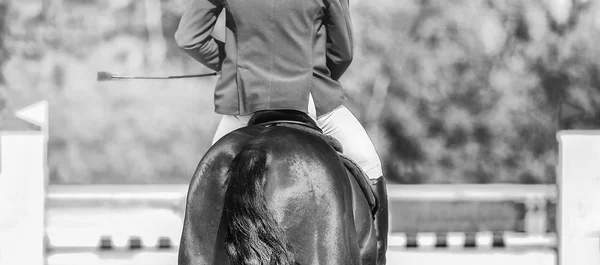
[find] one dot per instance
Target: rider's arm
(193, 33)
(339, 37)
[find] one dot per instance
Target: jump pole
(23, 180)
(578, 181)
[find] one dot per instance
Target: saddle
(301, 121)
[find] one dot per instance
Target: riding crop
(106, 76)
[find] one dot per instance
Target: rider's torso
(275, 56)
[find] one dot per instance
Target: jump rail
(172, 197)
(65, 195)
(156, 196)
(472, 192)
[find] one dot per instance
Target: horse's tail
(253, 236)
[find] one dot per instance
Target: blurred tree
(473, 102)
(113, 132)
(460, 91)
(3, 53)
(156, 40)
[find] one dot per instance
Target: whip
(106, 76)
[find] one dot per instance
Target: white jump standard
(579, 198)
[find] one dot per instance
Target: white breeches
(340, 123)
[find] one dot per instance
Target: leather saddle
(300, 120)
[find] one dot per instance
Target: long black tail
(253, 236)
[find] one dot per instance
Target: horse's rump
(275, 190)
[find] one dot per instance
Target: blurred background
(451, 92)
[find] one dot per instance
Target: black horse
(278, 193)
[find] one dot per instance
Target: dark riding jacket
(276, 52)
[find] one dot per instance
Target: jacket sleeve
(339, 37)
(193, 34)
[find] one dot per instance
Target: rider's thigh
(230, 123)
(342, 125)
(312, 109)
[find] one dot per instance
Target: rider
(282, 54)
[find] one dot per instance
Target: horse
(277, 192)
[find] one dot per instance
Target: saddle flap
(363, 182)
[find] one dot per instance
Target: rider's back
(276, 53)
